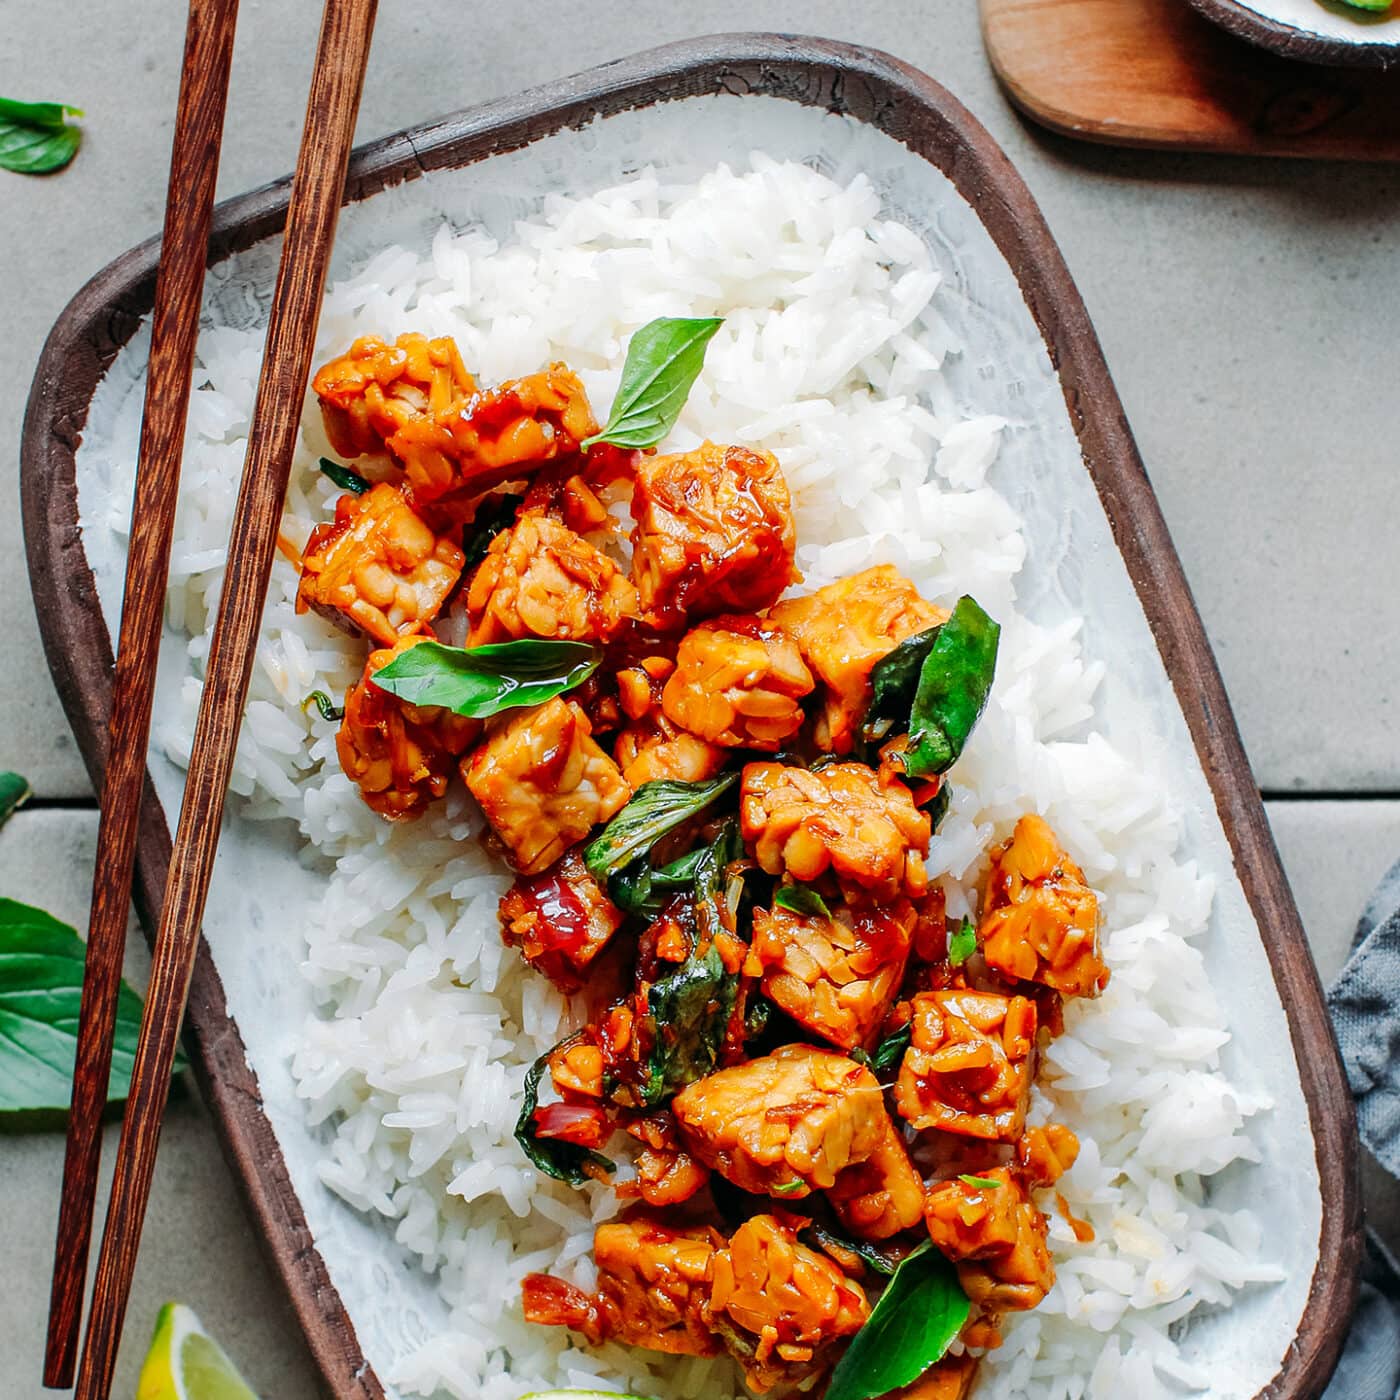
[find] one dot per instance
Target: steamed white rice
(830, 356)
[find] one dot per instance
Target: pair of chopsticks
(317, 190)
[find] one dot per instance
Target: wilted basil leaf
(494, 514)
(482, 681)
(962, 943)
(14, 793)
(656, 808)
(664, 359)
(343, 477)
(690, 1007)
(954, 683)
(819, 1236)
(890, 1051)
(564, 1161)
(801, 899)
(909, 1329)
(326, 707)
(41, 986)
(36, 137)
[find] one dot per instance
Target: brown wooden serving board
(1156, 73)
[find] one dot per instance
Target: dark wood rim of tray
(1292, 42)
(912, 108)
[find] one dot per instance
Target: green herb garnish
(893, 681)
(37, 137)
(983, 1183)
(343, 477)
(909, 1329)
(962, 943)
(664, 359)
(41, 986)
(890, 1051)
(482, 681)
(327, 708)
(655, 809)
(690, 1007)
(819, 1237)
(14, 793)
(801, 899)
(954, 682)
(494, 514)
(562, 1160)
(786, 1188)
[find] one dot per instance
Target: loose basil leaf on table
(37, 137)
(494, 514)
(801, 899)
(479, 682)
(41, 986)
(954, 682)
(656, 808)
(343, 477)
(962, 943)
(908, 1330)
(562, 1160)
(14, 793)
(664, 359)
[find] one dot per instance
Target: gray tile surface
(199, 1247)
(1247, 309)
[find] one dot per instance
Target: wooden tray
(1155, 73)
(881, 92)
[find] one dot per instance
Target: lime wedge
(186, 1363)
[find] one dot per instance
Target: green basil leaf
(664, 359)
(343, 477)
(909, 1329)
(890, 1051)
(985, 1183)
(41, 987)
(962, 943)
(564, 1161)
(482, 681)
(655, 809)
(328, 709)
(36, 137)
(818, 1236)
(801, 899)
(690, 1007)
(954, 683)
(893, 682)
(14, 793)
(494, 514)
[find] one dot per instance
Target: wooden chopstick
(317, 190)
(194, 163)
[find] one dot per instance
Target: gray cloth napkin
(1366, 1014)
